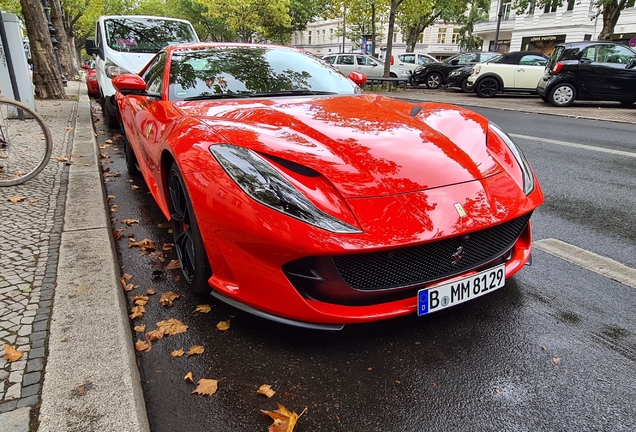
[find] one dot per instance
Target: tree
(46, 74)
(301, 12)
(610, 10)
(64, 50)
(393, 10)
(477, 12)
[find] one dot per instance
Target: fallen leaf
(151, 291)
(145, 245)
(16, 199)
(130, 222)
(497, 390)
(206, 387)
(189, 377)
(140, 300)
(134, 187)
(11, 354)
(123, 281)
(142, 346)
(108, 141)
(203, 308)
(197, 349)
(167, 246)
(155, 334)
(173, 265)
(168, 298)
(104, 155)
(140, 328)
(163, 225)
(117, 234)
(266, 390)
(33, 201)
(556, 360)
(137, 312)
(61, 159)
(178, 353)
(172, 326)
(223, 325)
(284, 420)
(69, 128)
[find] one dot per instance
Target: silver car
(369, 66)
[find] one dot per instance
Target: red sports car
(295, 195)
(91, 79)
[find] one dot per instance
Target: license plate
(450, 294)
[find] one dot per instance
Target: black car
(458, 77)
(590, 70)
(434, 75)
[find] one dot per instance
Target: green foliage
(417, 15)
(478, 12)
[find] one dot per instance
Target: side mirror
(129, 83)
(631, 64)
(357, 78)
(93, 49)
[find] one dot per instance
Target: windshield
(230, 72)
(146, 35)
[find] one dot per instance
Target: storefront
(544, 44)
(503, 46)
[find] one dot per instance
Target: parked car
(365, 64)
(91, 79)
(590, 70)
(459, 78)
(295, 195)
(517, 71)
(434, 75)
(411, 61)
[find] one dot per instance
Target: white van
(125, 44)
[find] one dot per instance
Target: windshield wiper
(217, 96)
(292, 93)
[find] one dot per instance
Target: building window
(441, 35)
(570, 4)
(323, 36)
(455, 39)
(309, 37)
(330, 34)
(533, 4)
(551, 6)
(505, 10)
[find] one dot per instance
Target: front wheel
(487, 88)
(434, 81)
(464, 86)
(562, 95)
(132, 166)
(187, 237)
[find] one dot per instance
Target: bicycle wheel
(25, 143)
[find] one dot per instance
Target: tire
(487, 87)
(25, 143)
(544, 98)
(562, 95)
(132, 166)
(465, 88)
(434, 80)
(110, 117)
(188, 243)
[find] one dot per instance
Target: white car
(518, 71)
(411, 61)
(369, 66)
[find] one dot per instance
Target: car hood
(365, 145)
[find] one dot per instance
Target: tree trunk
(389, 42)
(46, 74)
(411, 38)
(611, 13)
(63, 48)
(373, 29)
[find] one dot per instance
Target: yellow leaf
(129, 222)
(172, 326)
(33, 201)
(188, 377)
(155, 334)
(203, 308)
(134, 187)
(206, 387)
(117, 234)
(140, 300)
(168, 298)
(174, 265)
(144, 245)
(142, 346)
(167, 246)
(284, 420)
(197, 349)
(266, 390)
(61, 159)
(151, 291)
(11, 354)
(223, 325)
(16, 199)
(140, 328)
(178, 353)
(137, 312)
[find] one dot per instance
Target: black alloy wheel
(434, 80)
(464, 86)
(487, 88)
(132, 166)
(187, 237)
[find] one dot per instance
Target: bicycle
(25, 143)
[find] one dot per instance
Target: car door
(529, 71)
(407, 61)
(346, 63)
(368, 66)
(603, 71)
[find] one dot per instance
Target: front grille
(416, 265)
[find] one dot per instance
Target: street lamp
(499, 15)
(54, 42)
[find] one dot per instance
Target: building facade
(324, 37)
(543, 28)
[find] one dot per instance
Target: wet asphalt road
(553, 350)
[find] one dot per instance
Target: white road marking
(596, 263)
(569, 144)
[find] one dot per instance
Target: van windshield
(146, 35)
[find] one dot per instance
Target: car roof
(587, 43)
(515, 56)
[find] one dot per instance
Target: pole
(344, 28)
(499, 15)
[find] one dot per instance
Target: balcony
(491, 26)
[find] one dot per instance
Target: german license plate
(453, 293)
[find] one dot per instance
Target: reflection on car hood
(366, 145)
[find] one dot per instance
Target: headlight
(454, 73)
(113, 70)
(528, 178)
(258, 179)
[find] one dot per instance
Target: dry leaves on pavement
(284, 420)
(16, 199)
(197, 349)
(203, 308)
(142, 346)
(172, 326)
(141, 328)
(155, 334)
(178, 353)
(145, 245)
(173, 265)
(266, 390)
(206, 387)
(124, 282)
(223, 325)
(137, 312)
(189, 377)
(151, 291)
(130, 222)
(168, 298)
(140, 300)
(11, 354)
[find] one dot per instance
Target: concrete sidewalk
(60, 298)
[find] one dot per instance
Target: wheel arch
(489, 75)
